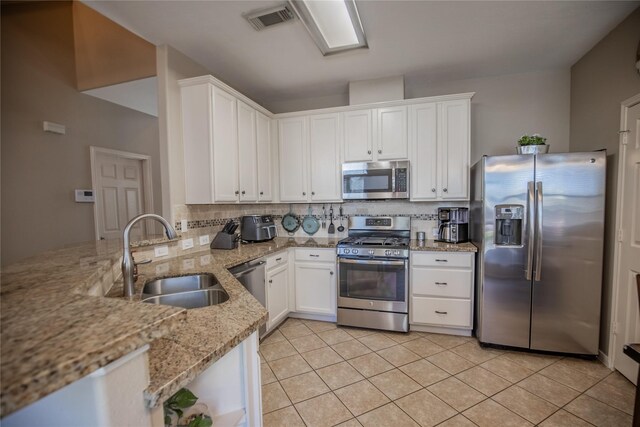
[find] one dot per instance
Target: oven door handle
(370, 261)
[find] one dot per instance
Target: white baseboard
(604, 359)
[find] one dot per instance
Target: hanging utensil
(332, 228)
(310, 223)
(341, 227)
(290, 222)
(324, 217)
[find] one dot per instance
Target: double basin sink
(194, 291)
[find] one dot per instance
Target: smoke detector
(264, 18)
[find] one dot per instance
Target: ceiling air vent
(264, 18)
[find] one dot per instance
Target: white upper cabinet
(263, 139)
(392, 133)
(375, 134)
(358, 135)
(439, 142)
(292, 145)
(225, 147)
(324, 158)
(453, 148)
(247, 150)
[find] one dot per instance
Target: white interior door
(119, 195)
(628, 251)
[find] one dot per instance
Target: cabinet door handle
(441, 283)
(304, 194)
(433, 190)
(237, 192)
(444, 190)
(261, 193)
(243, 192)
(278, 259)
(379, 151)
(369, 152)
(270, 281)
(331, 273)
(313, 193)
(314, 255)
(441, 312)
(441, 260)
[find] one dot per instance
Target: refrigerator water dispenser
(509, 225)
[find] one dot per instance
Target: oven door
(373, 284)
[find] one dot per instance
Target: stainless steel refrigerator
(538, 222)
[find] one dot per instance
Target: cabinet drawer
(442, 259)
(277, 259)
(323, 255)
(441, 311)
(441, 282)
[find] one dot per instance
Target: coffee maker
(453, 225)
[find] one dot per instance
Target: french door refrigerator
(538, 222)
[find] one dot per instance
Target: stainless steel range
(373, 273)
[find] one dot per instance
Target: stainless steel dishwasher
(251, 275)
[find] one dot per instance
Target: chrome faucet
(129, 268)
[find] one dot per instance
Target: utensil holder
(224, 241)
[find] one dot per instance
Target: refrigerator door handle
(538, 231)
(530, 229)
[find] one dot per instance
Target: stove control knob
(355, 252)
(346, 251)
(396, 252)
(371, 252)
(387, 252)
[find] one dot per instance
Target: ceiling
(426, 40)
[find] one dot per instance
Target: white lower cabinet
(441, 289)
(315, 281)
(277, 294)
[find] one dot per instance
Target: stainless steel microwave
(375, 180)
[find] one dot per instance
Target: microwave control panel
(401, 180)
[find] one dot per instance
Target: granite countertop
(54, 332)
(432, 245)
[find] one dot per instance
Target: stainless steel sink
(172, 285)
(194, 291)
(191, 299)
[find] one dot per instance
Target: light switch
(187, 244)
(161, 251)
(184, 225)
(188, 263)
(162, 268)
(434, 231)
(204, 240)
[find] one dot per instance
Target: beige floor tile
(361, 397)
(569, 377)
(402, 337)
(307, 343)
(507, 369)
(398, 355)
(351, 349)
(486, 382)
(457, 421)
(277, 351)
(273, 338)
(266, 374)
(334, 336)
(395, 384)
(377, 341)
(324, 410)
(447, 341)
(563, 418)
(388, 415)
(357, 332)
(474, 353)
(370, 364)
(456, 394)
(303, 387)
(339, 375)
(423, 347)
(273, 398)
(491, 414)
(321, 357)
(296, 330)
(548, 389)
(532, 361)
(350, 423)
(289, 366)
(291, 321)
(597, 413)
(450, 362)
(593, 368)
(425, 408)
(424, 373)
(613, 396)
(317, 326)
(616, 379)
(525, 404)
(286, 417)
